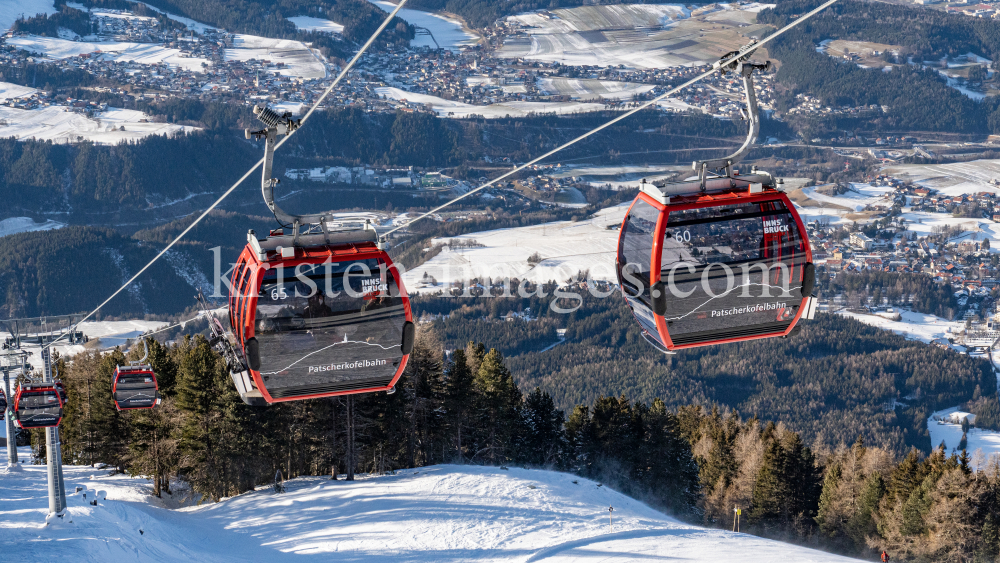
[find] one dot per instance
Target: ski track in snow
(433, 514)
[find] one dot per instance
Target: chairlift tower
(53, 451)
(14, 360)
(53, 447)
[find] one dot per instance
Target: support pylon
(53, 451)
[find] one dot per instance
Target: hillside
(439, 513)
(832, 383)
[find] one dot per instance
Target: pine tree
(862, 523)
(543, 441)
(163, 367)
(989, 548)
(201, 443)
(107, 427)
(905, 477)
(498, 405)
(613, 443)
(914, 509)
(577, 438)
(769, 491)
(829, 523)
(423, 387)
(672, 473)
(152, 450)
(801, 481)
(458, 400)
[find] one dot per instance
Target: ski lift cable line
(721, 64)
(259, 163)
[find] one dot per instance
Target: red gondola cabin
(719, 266)
(318, 315)
(38, 405)
(135, 387)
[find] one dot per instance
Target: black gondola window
(637, 248)
(320, 326)
(731, 267)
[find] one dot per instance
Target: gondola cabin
(717, 265)
(38, 405)
(318, 315)
(135, 387)
(3, 401)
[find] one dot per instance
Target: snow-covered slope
(950, 434)
(16, 225)
(439, 514)
(120, 51)
(451, 108)
(11, 10)
(448, 32)
(565, 248)
(912, 325)
(61, 125)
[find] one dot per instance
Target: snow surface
(566, 248)
(833, 216)
(915, 326)
(588, 89)
(951, 434)
(450, 108)
(636, 35)
(951, 179)
(16, 225)
(111, 333)
(190, 23)
(299, 60)
(859, 196)
(434, 514)
(449, 32)
(11, 10)
(923, 223)
(309, 23)
(10, 91)
(121, 51)
(60, 125)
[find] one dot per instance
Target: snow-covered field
(590, 89)
(565, 247)
(450, 108)
(636, 35)
(308, 23)
(435, 514)
(121, 51)
(924, 223)
(951, 179)
(859, 196)
(951, 434)
(190, 23)
(16, 225)
(60, 125)
(831, 215)
(11, 10)
(448, 32)
(915, 326)
(297, 58)
(10, 91)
